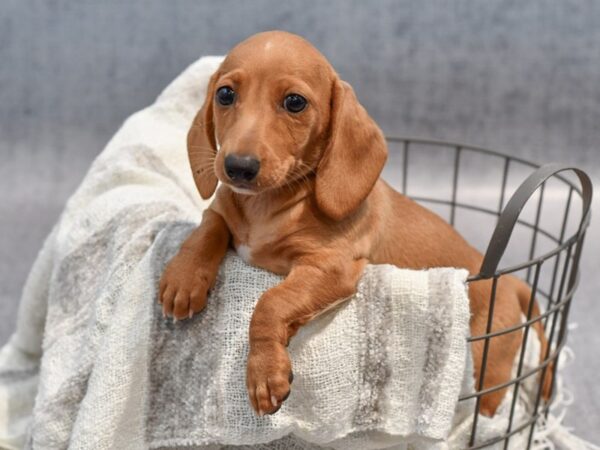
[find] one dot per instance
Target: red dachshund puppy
(299, 161)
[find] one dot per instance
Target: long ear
(353, 159)
(202, 145)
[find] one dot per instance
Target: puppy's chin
(242, 191)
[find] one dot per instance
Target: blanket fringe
(550, 432)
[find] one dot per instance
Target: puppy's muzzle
(241, 168)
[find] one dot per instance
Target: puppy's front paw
(268, 376)
(184, 288)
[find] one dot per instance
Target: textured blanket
(93, 364)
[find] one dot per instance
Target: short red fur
(317, 212)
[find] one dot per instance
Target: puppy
(299, 161)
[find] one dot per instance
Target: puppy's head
(276, 113)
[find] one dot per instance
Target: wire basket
(537, 232)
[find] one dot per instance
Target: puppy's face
(271, 103)
(275, 113)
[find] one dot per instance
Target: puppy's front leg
(192, 272)
(313, 285)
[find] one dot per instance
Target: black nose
(241, 168)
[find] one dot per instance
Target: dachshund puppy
(299, 161)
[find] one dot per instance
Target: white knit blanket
(93, 364)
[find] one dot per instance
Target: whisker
(202, 162)
(298, 176)
(204, 159)
(200, 151)
(203, 167)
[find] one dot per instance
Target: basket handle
(511, 212)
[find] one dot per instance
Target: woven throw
(93, 364)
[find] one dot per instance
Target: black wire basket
(537, 232)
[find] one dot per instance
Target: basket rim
(451, 144)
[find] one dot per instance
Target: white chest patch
(245, 253)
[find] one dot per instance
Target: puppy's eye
(294, 103)
(225, 95)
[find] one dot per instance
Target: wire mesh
(531, 208)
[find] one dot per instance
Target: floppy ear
(353, 159)
(202, 145)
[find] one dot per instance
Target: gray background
(521, 77)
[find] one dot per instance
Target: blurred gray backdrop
(521, 77)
